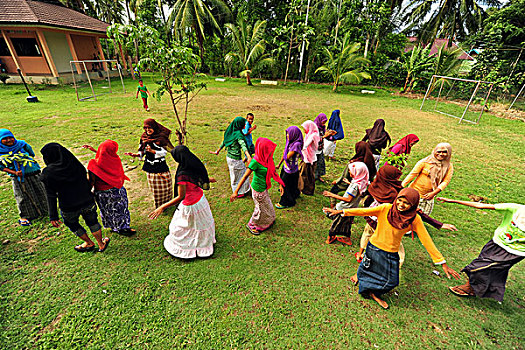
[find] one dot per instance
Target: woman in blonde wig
(432, 175)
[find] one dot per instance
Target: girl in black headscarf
(192, 228)
(65, 180)
(378, 139)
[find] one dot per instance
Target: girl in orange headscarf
(106, 175)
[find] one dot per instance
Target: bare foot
(354, 280)
(381, 302)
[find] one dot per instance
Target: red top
(193, 193)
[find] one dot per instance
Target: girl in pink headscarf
(306, 168)
(342, 225)
(263, 168)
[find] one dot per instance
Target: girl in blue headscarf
(16, 159)
(334, 124)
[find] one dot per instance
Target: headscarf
(403, 219)
(439, 169)
(312, 139)
(320, 120)
(405, 143)
(264, 149)
(16, 147)
(359, 173)
(294, 142)
(62, 165)
(386, 185)
(365, 155)
(336, 125)
(190, 168)
(234, 131)
(107, 164)
(377, 136)
(161, 136)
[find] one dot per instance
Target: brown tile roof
(35, 12)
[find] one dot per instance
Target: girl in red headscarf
(263, 169)
(378, 273)
(106, 175)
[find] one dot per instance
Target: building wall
(86, 48)
(59, 48)
(30, 64)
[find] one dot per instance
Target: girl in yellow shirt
(378, 273)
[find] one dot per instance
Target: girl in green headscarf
(235, 144)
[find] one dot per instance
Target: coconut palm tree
(249, 47)
(446, 18)
(345, 66)
(200, 17)
(415, 62)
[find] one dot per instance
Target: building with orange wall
(41, 39)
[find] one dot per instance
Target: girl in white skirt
(192, 229)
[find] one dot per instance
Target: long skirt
(365, 237)
(291, 192)
(329, 148)
(237, 170)
(192, 231)
(113, 205)
(306, 170)
(340, 185)
(161, 186)
(30, 196)
(263, 214)
(341, 226)
(378, 273)
(320, 166)
(426, 205)
(489, 271)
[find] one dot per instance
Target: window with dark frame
(4, 50)
(26, 47)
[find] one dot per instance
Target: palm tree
(446, 63)
(249, 47)
(199, 16)
(345, 66)
(448, 19)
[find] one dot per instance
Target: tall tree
(201, 17)
(451, 19)
(249, 47)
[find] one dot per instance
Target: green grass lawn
(283, 289)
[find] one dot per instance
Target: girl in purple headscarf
(319, 164)
(290, 170)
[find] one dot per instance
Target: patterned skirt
(320, 166)
(237, 170)
(161, 186)
(30, 196)
(426, 205)
(263, 214)
(378, 273)
(192, 231)
(113, 205)
(489, 271)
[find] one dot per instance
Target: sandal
(331, 239)
(24, 222)
(128, 232)
(461, 292)
(252, 231)
(345, 240)
(279, 206)
(101, 250)
(82, 249)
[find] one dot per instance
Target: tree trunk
(200, 42)
(366, 44)
(248, 80)
(289, 55)
(406, 83)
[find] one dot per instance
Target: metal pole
(122, 81)
(426, 94)
(89, 79)
(109, 80)
(485, 103)
(518, 95)
(470, 101)
(74, 80)
(439, 95)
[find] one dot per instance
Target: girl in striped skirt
(154, 145)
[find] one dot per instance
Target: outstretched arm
(244, 177)
(181, 194)
(476, 205)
